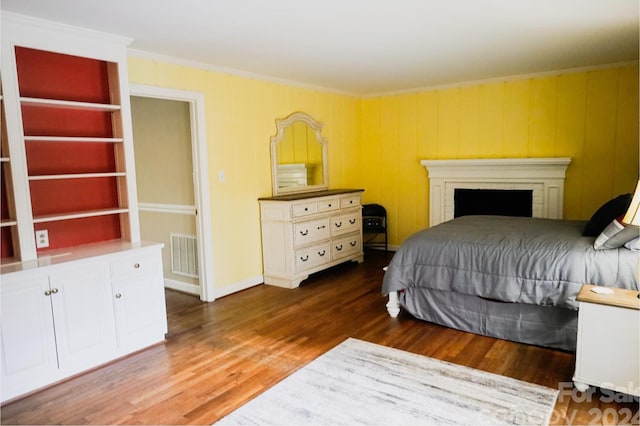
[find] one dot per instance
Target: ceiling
(365, 47)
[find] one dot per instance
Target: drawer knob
(118, 295)
(339, 247)
(321, 227)
(306, 209)
(322, 253)
(136, 265)
(352, 221)
(305, 232)
(338, 224)
(304, 259)
(329, 204)
(353, 243)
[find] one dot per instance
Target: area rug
(364, 383)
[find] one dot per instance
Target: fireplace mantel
(544, 176)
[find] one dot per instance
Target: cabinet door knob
(47, 292)
(118, 295)
(54, 291)
(136, 265)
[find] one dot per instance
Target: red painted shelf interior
(52, 75)
(56, 76)
(49, 158)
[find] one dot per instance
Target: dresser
(309, 232)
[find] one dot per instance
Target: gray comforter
(510, 259)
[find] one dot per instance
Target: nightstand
(608, 351)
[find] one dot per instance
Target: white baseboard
(220, 292)
(182, 287)
(239, 286)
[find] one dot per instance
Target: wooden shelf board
(56, 103)
(619, 297)
(8, 222)
(79, 139)
(78, 215)
(77, 176)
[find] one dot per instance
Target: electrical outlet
(42, 238)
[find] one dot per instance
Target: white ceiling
(366, 46)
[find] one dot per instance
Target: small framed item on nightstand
(608, 350)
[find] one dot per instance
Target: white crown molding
(24, 20)
(143, 54)
(502, 79)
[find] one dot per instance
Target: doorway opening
(172, 179)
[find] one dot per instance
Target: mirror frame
(282, 124)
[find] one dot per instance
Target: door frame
(200, 176)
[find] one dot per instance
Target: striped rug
(364, 383)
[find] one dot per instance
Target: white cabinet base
(608, 350)
(72, 311)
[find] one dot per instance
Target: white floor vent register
(184, 255)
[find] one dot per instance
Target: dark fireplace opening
(502, 202)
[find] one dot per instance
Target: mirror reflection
(298, 155)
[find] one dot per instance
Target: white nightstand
(608, 351)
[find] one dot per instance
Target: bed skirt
(531, 324)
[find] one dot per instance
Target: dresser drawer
(134, 266)
(345, 224)
(311, 231)
(344, 246)
(305, 208)
(328, 204)
(350, 201)
(310, 257)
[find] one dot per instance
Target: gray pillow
(615, 235)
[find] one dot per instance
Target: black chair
(374, 224)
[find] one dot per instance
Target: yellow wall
(240, 119)
(377, 143)
(591, 117)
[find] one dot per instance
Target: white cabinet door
(138, 297)
(608, 348)
(83, 316)
(26, 330)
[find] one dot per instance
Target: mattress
(509, 259)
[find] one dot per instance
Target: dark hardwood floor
(219, 355)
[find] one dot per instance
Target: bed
(513, 278)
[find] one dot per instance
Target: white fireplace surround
(543, 176)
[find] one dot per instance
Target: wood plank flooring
(219, 355)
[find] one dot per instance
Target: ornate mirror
(298, 155)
